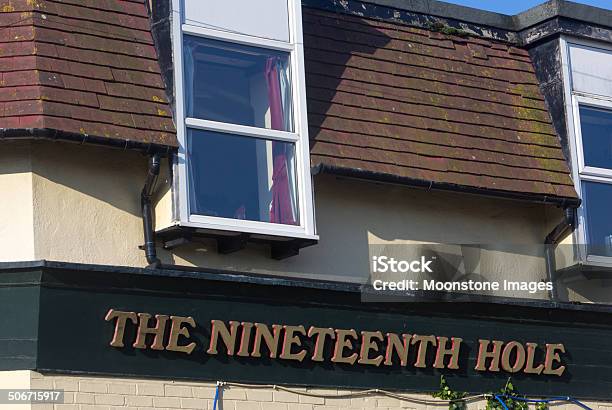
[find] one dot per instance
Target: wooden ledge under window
(281, 247)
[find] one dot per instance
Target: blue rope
(216, 397)
(498, 397)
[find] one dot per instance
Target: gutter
(54, 134)
(563, 202)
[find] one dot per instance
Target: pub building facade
(193, 195)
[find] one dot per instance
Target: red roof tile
(382, 97)
(82, 66)
(407, 102)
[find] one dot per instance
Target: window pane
(596, 125)
(240, 177)
(237, 84)
(598, 198)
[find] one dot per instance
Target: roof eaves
(7, 134)
(563, 202)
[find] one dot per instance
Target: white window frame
(585, 171)
(299, 136)
(580, 171)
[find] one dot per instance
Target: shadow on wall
(480, 263)
(354, 218)
(15, 158)
(342, 252)
(585, 290)
(112, 176)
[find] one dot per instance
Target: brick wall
(107, 393)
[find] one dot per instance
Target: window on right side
(595, 171)
(587, 74)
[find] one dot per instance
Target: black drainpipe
(565, 227)
(147, 211)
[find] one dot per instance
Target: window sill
(590, 270)
(281, 247)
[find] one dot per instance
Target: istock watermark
(447, 271)
(462, 286)
(384, 264)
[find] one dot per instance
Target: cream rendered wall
(16, 212)
(565, 252)
(164, 206)
(86, 209)
(353, 214)
(87, 203)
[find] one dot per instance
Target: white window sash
(246, 226)
(244, 130)
(237, 38)
(582, 100)
(603, 173)
(299, 137)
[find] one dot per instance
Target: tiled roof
(395, 100)
(82, 66)
(382, 97)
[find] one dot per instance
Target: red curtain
(281, 209)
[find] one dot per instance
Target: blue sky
(516, 6)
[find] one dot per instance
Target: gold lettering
(290, 340)
(367, 344)
(553, 356)
(484, 354)
(176, 331)
(144, 330)
(245, 339)
(341, 343)
(122, 318)
(519, 361)
(228, 335)
(443, 351)
(529, 369)
(423, 342)
(321, 333)
(512, 357)
(271, 339)
(401, 348)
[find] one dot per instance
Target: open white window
(589, 89)
(243, 162)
